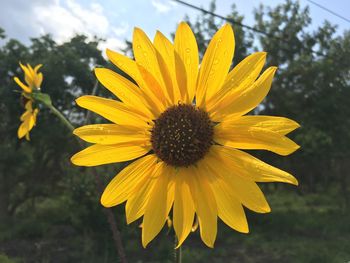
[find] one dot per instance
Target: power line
(234, 22)
(329, 11)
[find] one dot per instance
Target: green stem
(178, 252)
(60, 116)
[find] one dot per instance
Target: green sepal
(42, 97)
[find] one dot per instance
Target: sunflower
(184, 124)
(33, 81)
(28, 119)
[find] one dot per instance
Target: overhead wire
(329, 11)
(234, 22)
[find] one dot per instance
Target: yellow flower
(185, 124)
(28, 119)
(31, 77)
(33, 80)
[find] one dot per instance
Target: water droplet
(188, 50)
(216, 61)
(138, 46)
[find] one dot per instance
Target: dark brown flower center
(182, 135)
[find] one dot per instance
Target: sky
(114, 20)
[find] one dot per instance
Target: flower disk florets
(182, 135)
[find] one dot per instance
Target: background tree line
(50, 212)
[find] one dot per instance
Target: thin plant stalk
(177, 252)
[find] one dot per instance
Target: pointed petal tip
(245, 230)
(104, 201)
(73, 159)
(273, 69)
(267, 209)
(183, 24)
(137, 30)
(109, 53)
(209, 245)
(263, 53)
(292, 150)
(98, 71)
(295, 182)
(228, 26)
(79, 100)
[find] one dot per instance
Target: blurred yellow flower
(28, 119)
(31, 77)
(184, 123)
(33, 80)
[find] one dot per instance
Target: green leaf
(42, 97)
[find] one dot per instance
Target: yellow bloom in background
(185, 125)
(33, 81)
(32, 78)
(28, 119)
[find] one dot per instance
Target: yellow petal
(243, 188)
(215, 65)
(112, 134)
(186, 46)
(240, 77)
(138, 198)
(204, 204)
(22, 85)
(183, 211)
(126, 64)
(230, 209)
(130, 67)
(145, 55)
(154, 93)
(124, 89)
(22, 130)
(195, 225)
(279, 125)
(248, 166)
(240, 102)
(25, 115)
(156, 211)
(38, 80)
(103, 154)
(35, 113)
(240, 136)
(37, 67)
(112, 110)
(29, 106)
(119, 189)
(166, 60)
(27, 75)
(31, 120)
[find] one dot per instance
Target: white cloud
(62, 19)
(113, 44)
(122, 29)
(161, 7)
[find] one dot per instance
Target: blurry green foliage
(50, 212)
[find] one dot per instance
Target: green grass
(301, 228)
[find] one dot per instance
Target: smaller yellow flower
(28, 119)
(33, 81)
(31, 77)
